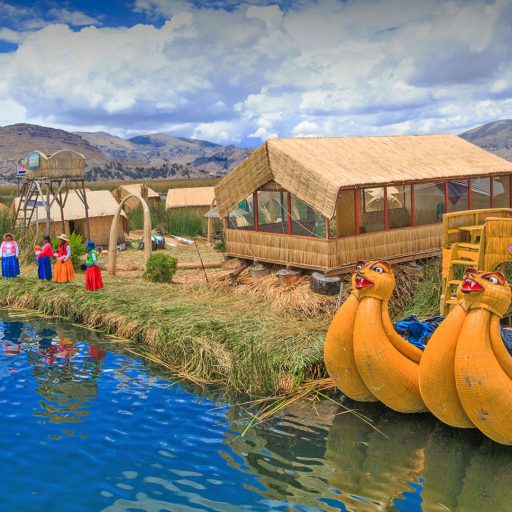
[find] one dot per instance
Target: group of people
(63, 270)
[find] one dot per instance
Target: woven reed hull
(329, 255)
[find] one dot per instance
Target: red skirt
(93, 279)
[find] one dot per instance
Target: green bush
(160, 268)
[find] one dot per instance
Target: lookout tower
(48, 180)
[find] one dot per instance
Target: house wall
(334, 255)
(100, 229)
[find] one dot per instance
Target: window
(371, 216)
(242, 217)
(399, 206)
(305, 220)
(501, 192)
(458, 194)
(429, 203)
(480, 193)
(273, 211)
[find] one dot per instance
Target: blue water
(86, 427)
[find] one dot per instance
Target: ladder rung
(475, 247)
(463, 262)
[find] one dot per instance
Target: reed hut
(102, 207)
(152, 198)
(196, 200)
(324, 203)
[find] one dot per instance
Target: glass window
(305, 220)
(242, 217)
(345, 214)
(458, 195)
(429, 204)
(371, 216)
(273, 211)
(501, 192)
(399, 206)
(480, 193)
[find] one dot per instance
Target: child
(64, 271)
(44, 271)
(93, 279)
(9, 250)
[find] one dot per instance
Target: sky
(241, 72)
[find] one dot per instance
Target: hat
(6, 235)
(90, 245)
(63, 237)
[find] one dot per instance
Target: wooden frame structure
(49, 180)
(458, 174)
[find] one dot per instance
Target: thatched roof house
(151, 197)
(324, 203)
(198, 199)
(102, 207)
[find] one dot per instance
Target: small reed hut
(147, 193)
(196, 200)
(324, 203)
(102, 207)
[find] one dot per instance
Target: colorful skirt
(64, 271)
(10, 266)
(93, 279)
(44, 270)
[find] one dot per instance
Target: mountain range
(158, 155)
(154, 155)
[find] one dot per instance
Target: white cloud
(255, 71)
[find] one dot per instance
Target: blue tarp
(416, 331)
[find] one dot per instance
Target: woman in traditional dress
(64, 271)
(44, 263)
(93, 279)
(9, 253)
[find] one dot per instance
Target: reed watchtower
(48, 180)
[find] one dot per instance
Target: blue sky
(240, 72)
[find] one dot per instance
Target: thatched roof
(315, 169)
(134, 188)
(101, 204)
(189, 197)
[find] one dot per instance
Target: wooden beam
(386, 213)
(255, 211)
(446, 197)
(413, 214)
(491, 190)
(470, 195)
(290, 224)
(356, 210)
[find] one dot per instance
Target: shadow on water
(142, 442)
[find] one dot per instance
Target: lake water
(85, 427)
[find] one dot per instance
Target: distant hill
(109, 157)
(18, 140)
(157, 149)
(495, 137)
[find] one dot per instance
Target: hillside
(17, 140)
(152, 156)
(158, 149)
(495, 137)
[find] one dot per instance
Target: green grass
(203, 334)
(425, 301)
(181, 222)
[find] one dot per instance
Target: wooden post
(327, 229)
(255, 211)
(356, 210)
(491, 191)
(386, 214)
(87, 227)
(413, 213)
(290, 225)
(48, 218)
(470, 196)
(446, 197)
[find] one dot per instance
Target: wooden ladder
(462, 255)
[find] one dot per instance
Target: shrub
(161, 268)
(76, 241)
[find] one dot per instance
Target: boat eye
(359, 265)
(380, 270)
(492, 279)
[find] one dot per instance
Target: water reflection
(139, 441)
